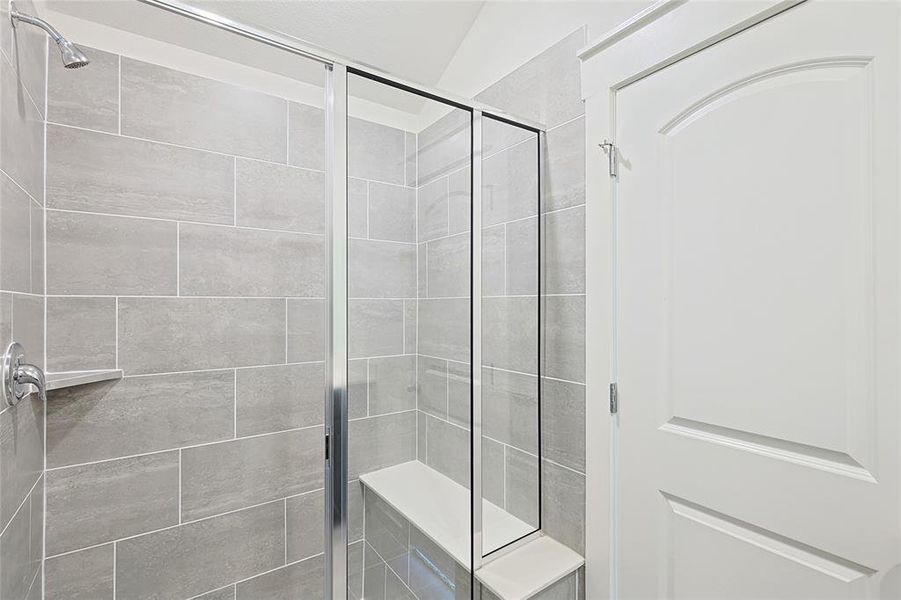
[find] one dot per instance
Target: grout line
(179, 485)
(235, 404)
(117, 331)
(235, 192)
(119, 94)
(177, 258)
(286, 530)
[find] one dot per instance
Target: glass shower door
(409, 303)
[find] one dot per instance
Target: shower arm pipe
(313, 52)
(15, 15)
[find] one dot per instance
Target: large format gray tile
(445, 145)
(411, 324)
(449, 266)
(226, 593)
(279, 397)
(546, 89)
(37, 248)
(564, 341)
(16, 263)
(563, 505)
(410, 152)
(444, 328)
(563, 423)
(382, 441)
(522, 257)
(22, 143)
(433, 573)
(28, 55)
(199, 333)
(375, 151)
(354, 510)
(494, 256)
(98, 172)
(510, 333)
(104, 501)
(357, 388)
(306, 136)
(521, 481)
(395, 589)
(564, 252)
(355, 575)
(388, 532)
(510, 408)
(36, 533)
(97, 255)
(83, 575)
(273, 196)
(374, 570)
(459, 397)
(304, 530)
(18, 568)
(449, 450)
(192, 559)
(21, 449)
(459, 200)
(81, 333)
(231, 261)
(392, 384)
(172, 106)
(375, 327)
(28, 326)
(565, 589)
(510, 185)
(306, 330)
(304, 580)
(136, 415)
(231, 475)
(432, 382)
(357, 208)
(392, 212)
(381, 269)
(565, 166)
(432, 207)
(493, 472)
(498, 135)
(86, 98)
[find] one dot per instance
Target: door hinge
(327, 446)
(610, 149)
(614, 399)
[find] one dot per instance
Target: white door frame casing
(666, 32)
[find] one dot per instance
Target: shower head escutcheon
(72, 56)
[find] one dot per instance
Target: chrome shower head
(73, 57)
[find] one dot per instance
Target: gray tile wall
(22, 108)
(185, 245)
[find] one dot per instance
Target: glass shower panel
(409, 253)
(510, 334)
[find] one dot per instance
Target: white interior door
(758, 273)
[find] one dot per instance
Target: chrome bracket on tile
(19, 375)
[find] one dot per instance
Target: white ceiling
(413, 40)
